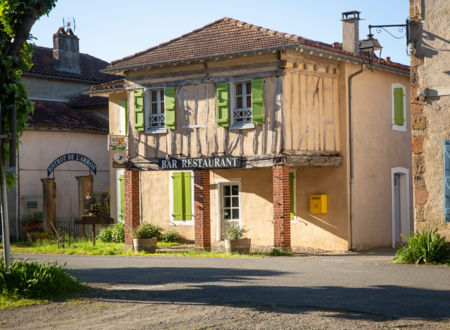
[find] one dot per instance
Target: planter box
(241, 246)
(145, 244)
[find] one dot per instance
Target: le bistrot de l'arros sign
(199, 163)
(72, 157)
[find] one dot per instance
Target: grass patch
(8, 303)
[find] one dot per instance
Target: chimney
(66, 53)
(350, 31)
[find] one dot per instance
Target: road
(348, 291)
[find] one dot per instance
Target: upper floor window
(242, 105)
(398, 107)
(155, 116)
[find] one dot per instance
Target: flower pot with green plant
(145, 237)
(234, 240)
(32, 224)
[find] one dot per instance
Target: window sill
(161, 130)
(399, 128)
(181, 222)
(242, 126)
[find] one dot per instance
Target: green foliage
(425, 247)
(35, 281)
(172, 236)
(234, 231)
(147, 230)
(115, 234)
(16, 19)
(279, 253)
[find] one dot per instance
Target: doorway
(400, 205)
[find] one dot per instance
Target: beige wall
(377, 149)
(39, 148)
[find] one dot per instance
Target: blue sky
(112, 29)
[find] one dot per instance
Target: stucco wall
(431, 115)
(39, 148)
(377, 149)
(49, 89)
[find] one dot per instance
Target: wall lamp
(368, 46)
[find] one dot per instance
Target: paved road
(356, 283)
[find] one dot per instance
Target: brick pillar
(202, 210)
(132, 207)
(281, 207)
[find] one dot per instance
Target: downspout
(350, 129)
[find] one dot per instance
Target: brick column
(281, 207)
(202, 210)
(132, 207)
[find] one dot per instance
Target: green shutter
(258, 101)
(169, 107)
(398, 107)
(139, 109)
(122, 197)
(187, 207)
(124, 104)
(177, 202)
(292, 194)
(222, 104)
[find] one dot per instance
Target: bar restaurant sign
(200, 163)
(72, 157)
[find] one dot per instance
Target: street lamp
(367, 48)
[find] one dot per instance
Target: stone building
(235, 123)
(430, 113)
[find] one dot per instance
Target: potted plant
(33, 226)
(234, 240)
(145, 237)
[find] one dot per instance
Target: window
(231, 204)
(181, 198)
(242, 107)
(398, 107)
(155, 118)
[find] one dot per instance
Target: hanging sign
(117, 142)
(199, 163)
(72, 157)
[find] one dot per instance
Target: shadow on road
(239, 288)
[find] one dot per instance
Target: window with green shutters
(292, 195)
(222, 104)
(181, 196)
(170, 105)
(398, 105)
(258, 101)
(139, 119)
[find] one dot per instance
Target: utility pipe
(350, 152)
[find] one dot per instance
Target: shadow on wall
(383, 301)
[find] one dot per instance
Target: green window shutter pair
(398, 107)
(292, 194)
(222, 97)
(169, 108)
(182, 207)
(124, 104)
(122, 197)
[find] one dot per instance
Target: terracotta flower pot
(241, 246)
(145, 244)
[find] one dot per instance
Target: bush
(233, 231)
(147, 230)
(425, 247)
(172, 236)
(115, 234)
(35, 281)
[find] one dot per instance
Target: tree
(16, 19)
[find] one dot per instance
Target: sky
(113, 29)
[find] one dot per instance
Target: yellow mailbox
(318, 204)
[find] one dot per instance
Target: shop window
(181, 198)
(398, 107)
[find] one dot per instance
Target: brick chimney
(350, 31)
(66, 53)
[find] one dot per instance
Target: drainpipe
(350, 129)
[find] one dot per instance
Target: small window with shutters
(181, 198)
(398, 107)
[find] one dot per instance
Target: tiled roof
(223, 37)
(90, 67)
(107, 86)
(81, 100)
(61, 115)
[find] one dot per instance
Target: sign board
(200, 163)
(117, 142)
(72, 157)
